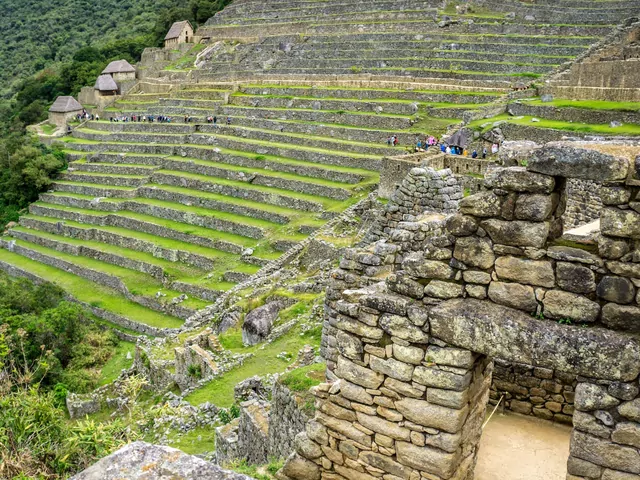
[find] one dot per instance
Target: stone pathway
(515, 447)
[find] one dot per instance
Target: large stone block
(427, 459)
(616, 289)
(566, 160)
(621, 317)
(517, 233)
(380, 425)
(529, 272)
(506, 333)
(416, 265)
(434, 377)
(518, 179)
(444, 290)
(474, 252)
(575, 278)
(604, 452)
(559, 304)
(591, 397)
(392, 368)
(620, 223)
(535, 207)
(357, 374)
(430, 415)
(513, 295)
(403, 328)
(627, 433)
(385, 464)
(483, 204)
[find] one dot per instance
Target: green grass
(626, 129)
(117, 362)
(302, 379)
(48, 129)
(92, 293)
(220, 390)
(200, 440)
(587, 104)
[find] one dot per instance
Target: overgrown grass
(117, 362)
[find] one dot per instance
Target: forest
(56, 48)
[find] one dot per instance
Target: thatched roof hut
(65, 104)
(119, 66)
(106, 83)
(176, 29)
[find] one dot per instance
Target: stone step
(105, 179)
(513, 131)
(235, 224)
(177, 101)
(591, 93)
(234, 160)
(105, 274)
(107, 304)
(489, 26)
(370, 94)
(171, 250)
(118, 256)
(112, 169)
(94, 190)
(578, 115)
(202, 94)
(145, 224)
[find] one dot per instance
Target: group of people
(84, 116)
(422, 145)
(141, 118)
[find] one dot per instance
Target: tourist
(388, 141)
(465, 152)
(395, 140)
(443, 148)
(494, 148)
(447, 150)
(484, 153)
(215, 120)
(474, 154)
(228, 120)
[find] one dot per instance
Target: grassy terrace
(91, 293)
(626, 129)
(587, 104)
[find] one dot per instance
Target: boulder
(514, 153)
(517, 233)
(259, 322)
(518, 179)
(141, 460)
(565, 160)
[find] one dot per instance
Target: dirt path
(516, 447)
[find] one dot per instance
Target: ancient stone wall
(287, 419)
(583, 203)
(413, 320)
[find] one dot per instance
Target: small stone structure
(64, 109)
(80, 406)
(180, 32)
(288, 419)
(140, 460)
(106, 85)
(414, 320)
(120, 70)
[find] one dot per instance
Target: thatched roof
(176, 29)
(119, 66)
(65, 105)
(106, 83)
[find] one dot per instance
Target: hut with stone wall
(180, 32)
(106, 86)
(120, 71)
(64, 109)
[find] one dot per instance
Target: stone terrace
(492, 41)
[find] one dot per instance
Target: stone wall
(287, 420)
(583, 203)
(415, 318)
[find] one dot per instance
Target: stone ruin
(415, 318)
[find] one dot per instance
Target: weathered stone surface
(620, 223)
(518, 179)
(362, 376)
(474, 252)
(588, 423)
(616, 289)
(524, 408)
(575, 278)
(624, 269)
(444, 290)
(427, 459)
(142, 460)
(571, 254)
(352, 325)
(345, 428)
(385, 302)
(517, 233)
(349, 345)
(355, 393)
(471, 276)
(307, 448)
(454, 357)
(513, 295)
(566, 160)
(621, 317)
(617, 475)
(627, 433)
(534, 207)
(611, 195)
(483, 204)
(408, 354)
(624, 391)
(448, 398)
(603, 452)
(392, 368)
(258, 323)
(515, 336)
(299, 468)
(461, 225)
(430, 415)
(434, 377)
(385, 463)
(406, 389)
(416, 265)
(631, 410)
(612, 248)
(564, 305)
(576, 466)
(591, 397)
(402, 327)
(385, 427)
(317, 432)
(522, 270)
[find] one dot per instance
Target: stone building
(180, 32)
(63, 109)
(106, 86)
(120, 70)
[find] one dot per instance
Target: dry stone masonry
(414, 320)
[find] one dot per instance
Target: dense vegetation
(47, 346)
(68, 43)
